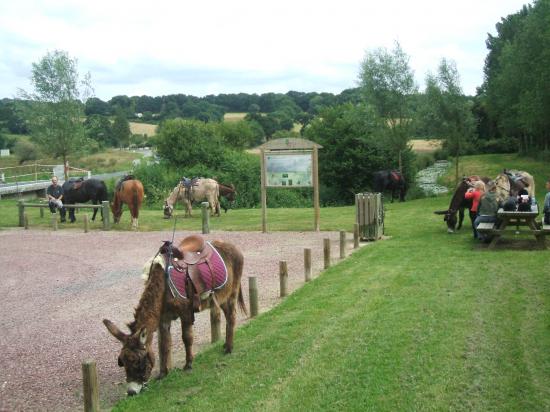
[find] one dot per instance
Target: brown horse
(158, 306)
(131, 193)
(459, 203)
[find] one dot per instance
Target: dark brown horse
(158, 307)
(391, 180)
(129, 192)
(459, 203)
(229, 193)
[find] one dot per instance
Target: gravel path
(56, 287)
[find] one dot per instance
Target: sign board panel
(289, 169)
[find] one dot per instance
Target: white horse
(203, 190)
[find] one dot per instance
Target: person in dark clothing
(524, 201)
(55, 197)
(488, 208)
(546, 207)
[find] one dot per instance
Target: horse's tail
(135, 201)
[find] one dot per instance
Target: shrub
(25, 150)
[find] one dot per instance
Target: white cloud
(216, 46)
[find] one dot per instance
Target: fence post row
(307, 264)
(283, 278)
(253, 295)
(326, 252)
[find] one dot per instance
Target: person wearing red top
(474, 194)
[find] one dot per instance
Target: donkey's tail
(135, 202)
(238, 271)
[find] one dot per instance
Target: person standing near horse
(55, 197)
(546, 208)
(474, 194)
(488, 208)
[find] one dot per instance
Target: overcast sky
(218, 46)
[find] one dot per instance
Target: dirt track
(56, 287)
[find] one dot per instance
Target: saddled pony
(511, 182)
(160, 304)
(131, 193)
(459, 203)
(201, 190)
(229, 193)
(391, 180)
(82, 191)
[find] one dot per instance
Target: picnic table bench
(509, 222)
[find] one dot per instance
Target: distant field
(143, 128)
(426, 145)
(233, 117)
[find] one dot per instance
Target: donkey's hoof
(188, 367)
(227, 349)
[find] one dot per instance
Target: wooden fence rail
(104, 207)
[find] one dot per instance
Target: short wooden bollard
(326, 252)
(253, 295)
(26, 220)
(307, 264)
(41, 213)
(86, 223)
(105, 215)
(342, 244)
(356, 235)
(215, 322)
(91, 386)
(283, 278)
(54, 221)
(205, 218)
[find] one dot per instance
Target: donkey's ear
(441, 212)
(116, 332)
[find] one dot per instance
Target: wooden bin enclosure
(369, 215)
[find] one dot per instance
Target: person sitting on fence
(55, 197)
(474, 194)
(524, 201)
(488, 208)
(546, 209)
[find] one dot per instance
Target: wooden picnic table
(510, 222)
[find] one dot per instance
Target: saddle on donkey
(194, 269)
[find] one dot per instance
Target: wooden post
(315, 172)
(356, 235)
(91, 386)
(21, 207)
(26, 220)
(283, 277)
(86, 223)
(205, 218)
(105, 214)
(41, 212)
(263, 191)
(54, 221)
(253, 295)
(326, 252)
(307, 264)
(342, 244)
(215, 324)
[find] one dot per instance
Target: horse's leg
(187, 337)
(230, 312)
(165, 347)
(72, 218)
(460, 218)
(95, 202)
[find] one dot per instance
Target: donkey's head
(450, 217)
(136, 356)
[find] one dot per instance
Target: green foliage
(25, 150)
(121, 129)
(515, 96)
(54, 109)
(388, 85)
(99, 129)
(186, 143)
(239, 135)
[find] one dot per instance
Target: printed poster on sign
(289, 170)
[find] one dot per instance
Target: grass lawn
(423, 321)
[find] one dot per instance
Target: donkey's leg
(187, 336)
(230, 311)
(460, 218)
(165, 347)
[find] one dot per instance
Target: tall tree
(451, 112)
(387, 82)
(56, 106)
(121, 129)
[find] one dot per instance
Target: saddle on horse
(194, 269)
(188, 184)
(123, 179)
